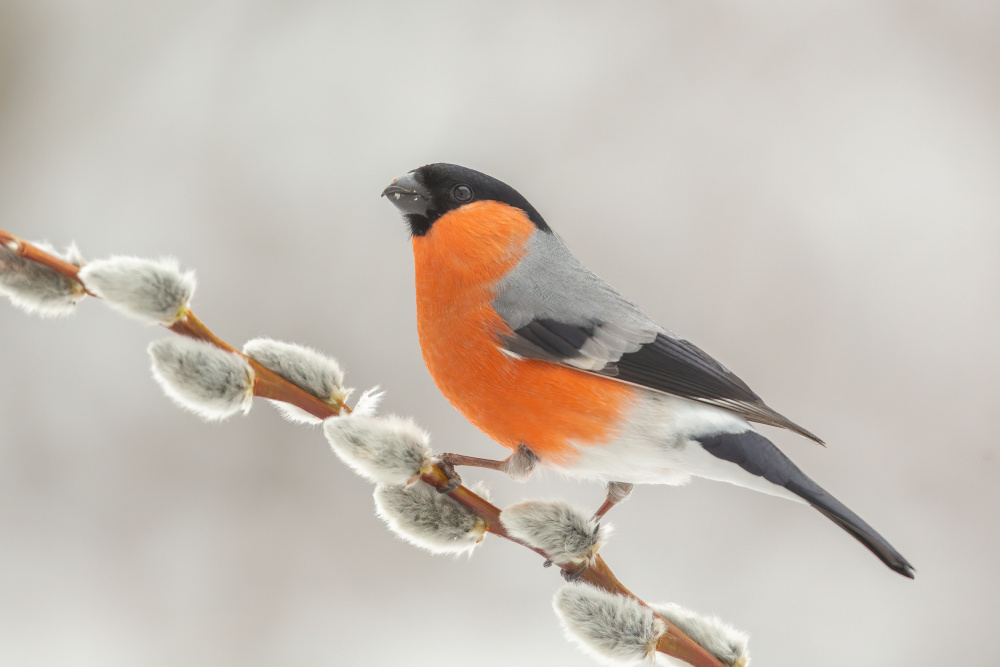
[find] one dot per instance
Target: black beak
(408, 195)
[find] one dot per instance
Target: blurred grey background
(809, 191)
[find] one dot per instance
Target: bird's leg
(617, 492)
(518, 465)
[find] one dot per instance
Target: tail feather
(758, 455)
(837, 512)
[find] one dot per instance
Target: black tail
(757, 455)
(837, 512)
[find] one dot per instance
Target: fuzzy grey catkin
(727, 644)
(304, 367)
(202, 378)
(386, 450)
(428, 519)
(613, 628)
(564, 533)
(151, 291)
(37, 289)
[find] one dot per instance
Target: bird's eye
(461, 192)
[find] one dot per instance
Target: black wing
(666, 363)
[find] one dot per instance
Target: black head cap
(427, 193)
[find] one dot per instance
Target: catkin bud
(566, 535)
(151, 291)
(728, 645)
(203, 378)
(385, 450)
(304, 367)
(614, 628)
(428, 519)
(35, 288)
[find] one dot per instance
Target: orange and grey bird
(555, 364)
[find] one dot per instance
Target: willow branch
(268, 384)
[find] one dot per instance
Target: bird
(558, 366)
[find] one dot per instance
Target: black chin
(419, 223)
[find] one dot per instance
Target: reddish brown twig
(267, 383)
(272, 386)
(39, 256)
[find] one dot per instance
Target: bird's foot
(518, 465)
(448, 468)
(571, 573)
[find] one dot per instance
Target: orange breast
(542, 405)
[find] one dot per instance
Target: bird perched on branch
(555, 364)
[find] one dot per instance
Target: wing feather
(560, 312)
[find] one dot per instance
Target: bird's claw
(573, 575)
(454, 479)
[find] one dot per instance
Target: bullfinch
(558, 366)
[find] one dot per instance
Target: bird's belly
(553, 410)
(657, 445)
